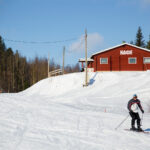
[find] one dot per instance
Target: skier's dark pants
(135, 116)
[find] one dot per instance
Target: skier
(133, 106)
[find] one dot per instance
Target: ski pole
(122, 122)
(142, 119)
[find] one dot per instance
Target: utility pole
(63, 60)
(86, 73)
(48, 66)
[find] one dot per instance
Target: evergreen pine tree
(2, 61)
(139, 38)
(9, 69)
(148, 43)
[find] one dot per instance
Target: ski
(144, 131)
(147, 130)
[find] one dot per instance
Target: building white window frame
(144, 61)
(129, 58)
(103, 62)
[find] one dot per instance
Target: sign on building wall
(125, 52)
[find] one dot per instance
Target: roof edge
(83, 59)
(119, 46)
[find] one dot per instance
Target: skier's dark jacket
(132, 101)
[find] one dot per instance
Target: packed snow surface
(58, 113)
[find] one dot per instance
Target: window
(146, 60)
(103, 60)
(132, 60)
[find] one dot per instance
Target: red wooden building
(124, 57)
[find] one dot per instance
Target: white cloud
(94, 41)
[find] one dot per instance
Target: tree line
(139, 40)
(17, 73)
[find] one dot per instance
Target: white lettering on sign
(125, 52)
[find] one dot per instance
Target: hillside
(58, 113)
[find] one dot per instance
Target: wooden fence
(55, 72)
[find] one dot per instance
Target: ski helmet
(135, 95)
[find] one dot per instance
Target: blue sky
(108, 23)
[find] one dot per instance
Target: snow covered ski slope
(59, 114)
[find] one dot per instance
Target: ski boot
(133, 128)
(139, 129)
